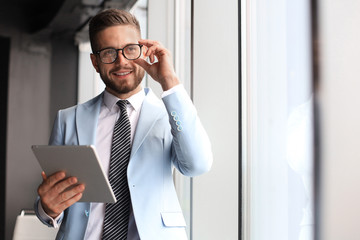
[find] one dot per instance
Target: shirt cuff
(55, 222)
(176, 88)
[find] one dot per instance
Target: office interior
(275, 84)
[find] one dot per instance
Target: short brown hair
(108, 18)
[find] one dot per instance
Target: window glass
(278, 142)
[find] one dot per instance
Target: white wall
(339, 102)
(216, 97)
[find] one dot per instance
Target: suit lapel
(87, 119)
(151, 110)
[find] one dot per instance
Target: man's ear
(94, 62)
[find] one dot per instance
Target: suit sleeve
(191, 148)
(44, 218)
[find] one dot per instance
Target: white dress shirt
(109, 113)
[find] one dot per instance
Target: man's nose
(120, 58)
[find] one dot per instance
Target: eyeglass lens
(130, 52)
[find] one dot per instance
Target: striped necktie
(117, 214)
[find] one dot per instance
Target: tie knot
(122, 105)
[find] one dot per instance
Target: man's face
(123, 77)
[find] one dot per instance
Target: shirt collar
(135, 100)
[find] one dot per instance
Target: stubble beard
(121, 88)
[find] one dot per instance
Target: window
(277, 122)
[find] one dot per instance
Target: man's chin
(123, 90)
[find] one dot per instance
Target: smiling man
(139, 139)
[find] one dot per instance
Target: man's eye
(108, 52)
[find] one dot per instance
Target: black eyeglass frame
(117, 52)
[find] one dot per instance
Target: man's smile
(122, 73)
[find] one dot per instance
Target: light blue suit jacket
(168, 134)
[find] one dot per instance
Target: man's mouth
(122, 73)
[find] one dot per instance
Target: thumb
(142, 63)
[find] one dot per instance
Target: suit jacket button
(173, 113)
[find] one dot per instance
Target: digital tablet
(81, 162)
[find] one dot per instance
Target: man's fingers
(49, 192)
(43, 175)
(54, 206)
(145, 65)
(49, 182)
(65, 200)
(155, 51)
(149, 43)
(63, 185)
(71, 201)
(161, 71)
(70, 193)
(55, 178)
(154, 48)
(151, 52)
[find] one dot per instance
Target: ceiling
(54, 17)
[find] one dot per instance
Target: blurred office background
(45, 66)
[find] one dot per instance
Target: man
(164, 134)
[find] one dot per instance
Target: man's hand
(58, 193)
(161, 71)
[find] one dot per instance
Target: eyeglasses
(130, 52)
